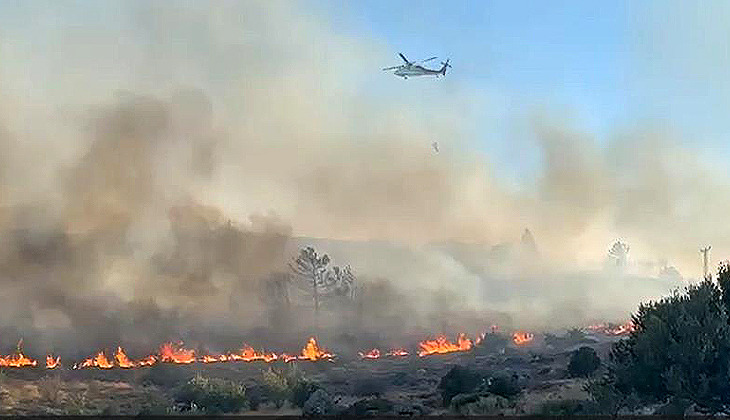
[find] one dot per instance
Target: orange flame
(214, 359)
(175, 353)
(372, 354)
(148, 361)
(522, 338)
(52, 363)
(624, 329)
(248, 354)
(287, 358)
(18, 359)
(442, 345)
(397, 353)
(609, 329)
(312, 352)
(122, 359)
(99, 361)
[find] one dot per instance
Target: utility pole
(705, 254)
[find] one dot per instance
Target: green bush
(583, 362)
(367, 387)
(680, 349)
(492, 342)
(164, 375)
(504, 386)
(213, 395)
(563, 408)
(482, 405)
(458, 380)
(288, 384)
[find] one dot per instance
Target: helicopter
(413, 69)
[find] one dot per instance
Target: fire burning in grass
(18, 359)
(397, 353)
(372, 354)
(611, 329)
(442, 345)
(312, 352)
(522, 338)
(375, 354)
(51, 362)
(176, 353)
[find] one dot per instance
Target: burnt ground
(409, 385)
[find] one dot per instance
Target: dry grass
(49, 389)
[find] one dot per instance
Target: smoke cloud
(136, 207)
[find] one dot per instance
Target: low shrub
(504, 386)
(584, 362)
(367, 387)
(49, 388)
(213, 395)
(458, 380)
(289, 384)
(563, 408)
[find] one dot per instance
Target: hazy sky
(608, 65)
(291, 79)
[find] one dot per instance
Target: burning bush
(679, 348)
(583, 362)
(213, 395)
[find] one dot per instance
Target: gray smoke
(160, 209)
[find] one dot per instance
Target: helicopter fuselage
(415, 70)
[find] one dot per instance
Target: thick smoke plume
(132, 209)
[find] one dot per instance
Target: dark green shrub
(165, 375)
(302, 389)
(504, 385)
(491, 342)
(289, 384)
(458, 380)
(583, 362)
(680, 348)
(563, 408)
(367, 387)
(213, 395)
(369, 407)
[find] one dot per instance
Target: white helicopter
(413, 69)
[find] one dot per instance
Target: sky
(608, 66)
(310, 72)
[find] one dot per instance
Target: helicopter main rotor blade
(428, 59)
(404, 58)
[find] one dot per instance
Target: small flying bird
(435, 146)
